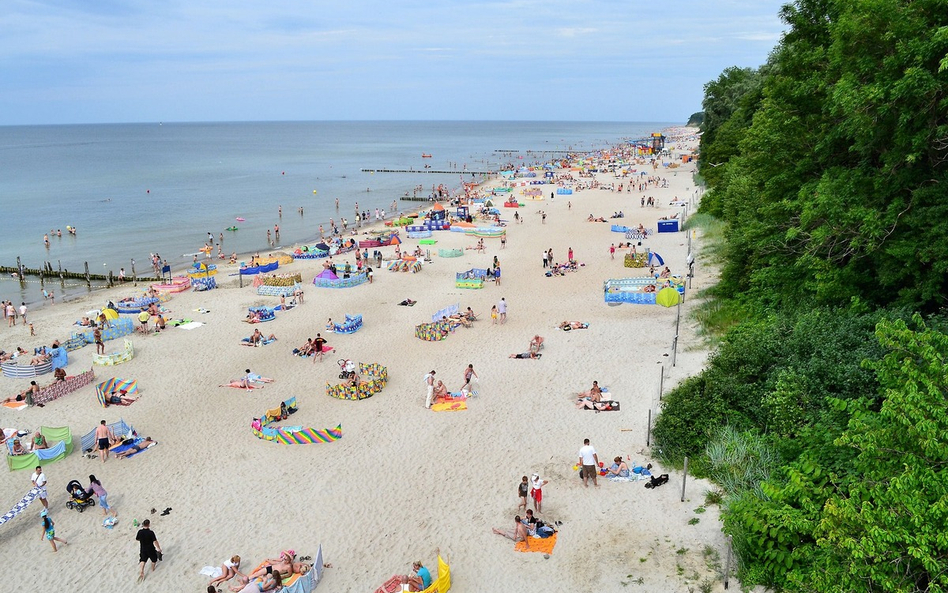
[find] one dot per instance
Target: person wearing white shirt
(39, 481)
(590, 462)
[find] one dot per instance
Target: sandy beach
(403, 480)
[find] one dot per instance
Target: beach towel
(178, 322)
(393, 585)
(605, 406)
(128, 445)
(190, 325)
(538, 544)
(449, 404)
(212, 571)
(15, 405)
(21, 506)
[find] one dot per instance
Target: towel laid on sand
(393, 585)
(449, 404)
(538, 544)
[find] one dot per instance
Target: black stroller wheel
(80, 508)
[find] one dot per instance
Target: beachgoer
(135, 449)
(517, 534)
(143, 318)
(619, 468)
(49, 530)
(97, 338)
(23, 312)
(318, 344)
(429, 387)
(502, 310)
(421, 579)
(493, 315)
(149, 548)
(95, 486)
(536, 491)
(39, 481)
(544, 259)
(469, 375)
(440, 390)
(525, 355)
(59, 374)
(104, 438)
(39, 441)
(229, 569)
(27, 395)
(590, 462)
(522, 488)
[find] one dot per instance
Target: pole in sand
(684, 479)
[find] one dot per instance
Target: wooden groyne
(48, 273)
(440, 171)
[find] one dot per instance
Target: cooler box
(668, 226)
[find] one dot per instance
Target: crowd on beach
(529, 524)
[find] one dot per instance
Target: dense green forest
(822, 413)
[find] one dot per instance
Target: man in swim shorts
(104, 438)
(143, 318)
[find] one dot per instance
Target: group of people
(10, 312)
(268, 577)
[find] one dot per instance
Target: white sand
(403, 480)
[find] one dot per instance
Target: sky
(102, 61)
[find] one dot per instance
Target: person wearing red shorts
(536, 492)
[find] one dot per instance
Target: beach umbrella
(655, 259)
(667, 297)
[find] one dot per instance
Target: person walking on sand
(502, 310)
(23, 312)
(97, 338)
(536, 491)
(612, 251)
(95, 486)
(49, 530)
(493, 315)
(429, 388)
(39, 481)
(469, 375)
(590, 462)
(149, 548)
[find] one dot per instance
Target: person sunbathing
(18, 448)
(440, 390)
(255, 378)
(283, 565)
(136, 448)
(267, 582)
(26, 395)
(526, 355)
(619, 468)
(666, 272)
(59, 374)
(517, 534)
(40, 359)
(568, 325)
(469, 314)
(85, 322)
(594, 393)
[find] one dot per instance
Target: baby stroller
(347, 367)
(80, 498)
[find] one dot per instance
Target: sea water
(135, 189)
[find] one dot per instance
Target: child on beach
(493, 315)
(522, 490)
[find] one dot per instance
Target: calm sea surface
(135, 189)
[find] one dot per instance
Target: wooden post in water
(60, 263)
(111, 281)
(19, 267)
(88, 279)
(134, 277)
